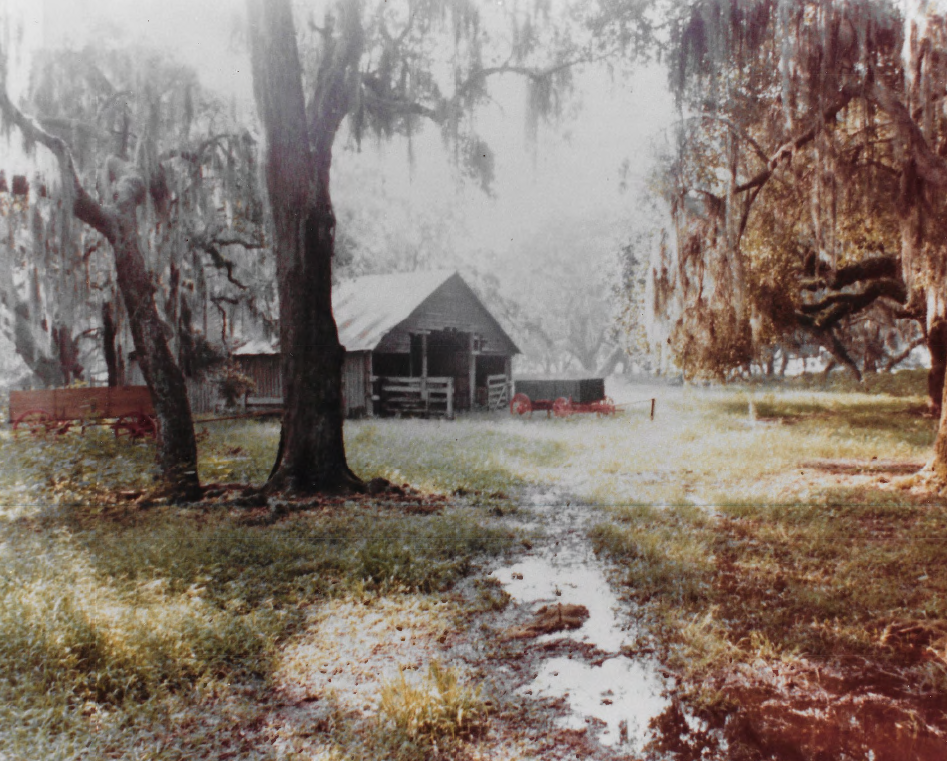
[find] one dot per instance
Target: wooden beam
(472, 367)
(370, 386)
(424, 355)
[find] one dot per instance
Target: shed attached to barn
(416, 343)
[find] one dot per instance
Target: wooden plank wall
(265, 371)
(356, 390)
(203, 396)
(87, 403)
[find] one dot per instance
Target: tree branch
(931, 167)
(395, 106)
(786, 151)
(209, 243)
(739, 132)
(899, 358)
(85, 208)
(536, 74)
(831, 342)
(830, 310)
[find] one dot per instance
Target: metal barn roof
(367, 308)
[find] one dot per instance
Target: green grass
(155, 633)
(765, 556)
(485, 454)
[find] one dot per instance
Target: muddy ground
(568, 672)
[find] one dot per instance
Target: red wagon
(126, 409)
(561, 398)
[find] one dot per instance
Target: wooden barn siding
(356, 380)
(201, 393)
(265, 371)
(356, 371)
(453, 305)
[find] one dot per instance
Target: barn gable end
(452, 306)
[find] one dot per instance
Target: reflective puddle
(622, 693)
(614, 696)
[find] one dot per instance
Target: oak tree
(384, 67)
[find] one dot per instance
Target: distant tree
(385, 67)
(380, 232)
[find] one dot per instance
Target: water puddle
(614, 696)
(538, 580)
(621, 693)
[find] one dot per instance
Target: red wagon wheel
(520, 405)
(39, 423)
(562, 407)
(606, 406)
(135, 426)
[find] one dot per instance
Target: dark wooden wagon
(561, 397)
(126, 409)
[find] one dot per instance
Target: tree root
(335, 482)
(925, 481)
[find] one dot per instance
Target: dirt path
(600, 689)
(573, 693)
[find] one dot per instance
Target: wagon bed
(561, 397)
(127, 409)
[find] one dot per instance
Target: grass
(156, 633)
(438, 710)
(752, 552)
(159, 633)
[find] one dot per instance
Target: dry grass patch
(434, 712)
(129, 632)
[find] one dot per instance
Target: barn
(418, 343)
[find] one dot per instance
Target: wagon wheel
(39, 423)
(606, 406)
(148, 426)
(135, 426)
(562, 407)
(520, 405)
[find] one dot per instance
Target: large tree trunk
(311, 454)
(939, 463)
(937, 345)
(177, 447)
(109, 334)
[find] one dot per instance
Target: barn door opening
(448, 355)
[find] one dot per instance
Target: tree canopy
(792, 186)
(806, 183)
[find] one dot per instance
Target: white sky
(563, 179)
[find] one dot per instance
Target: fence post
(652, 409)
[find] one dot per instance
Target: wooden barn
(417, 343)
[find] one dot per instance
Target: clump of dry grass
(438, 711)
(124, 629)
